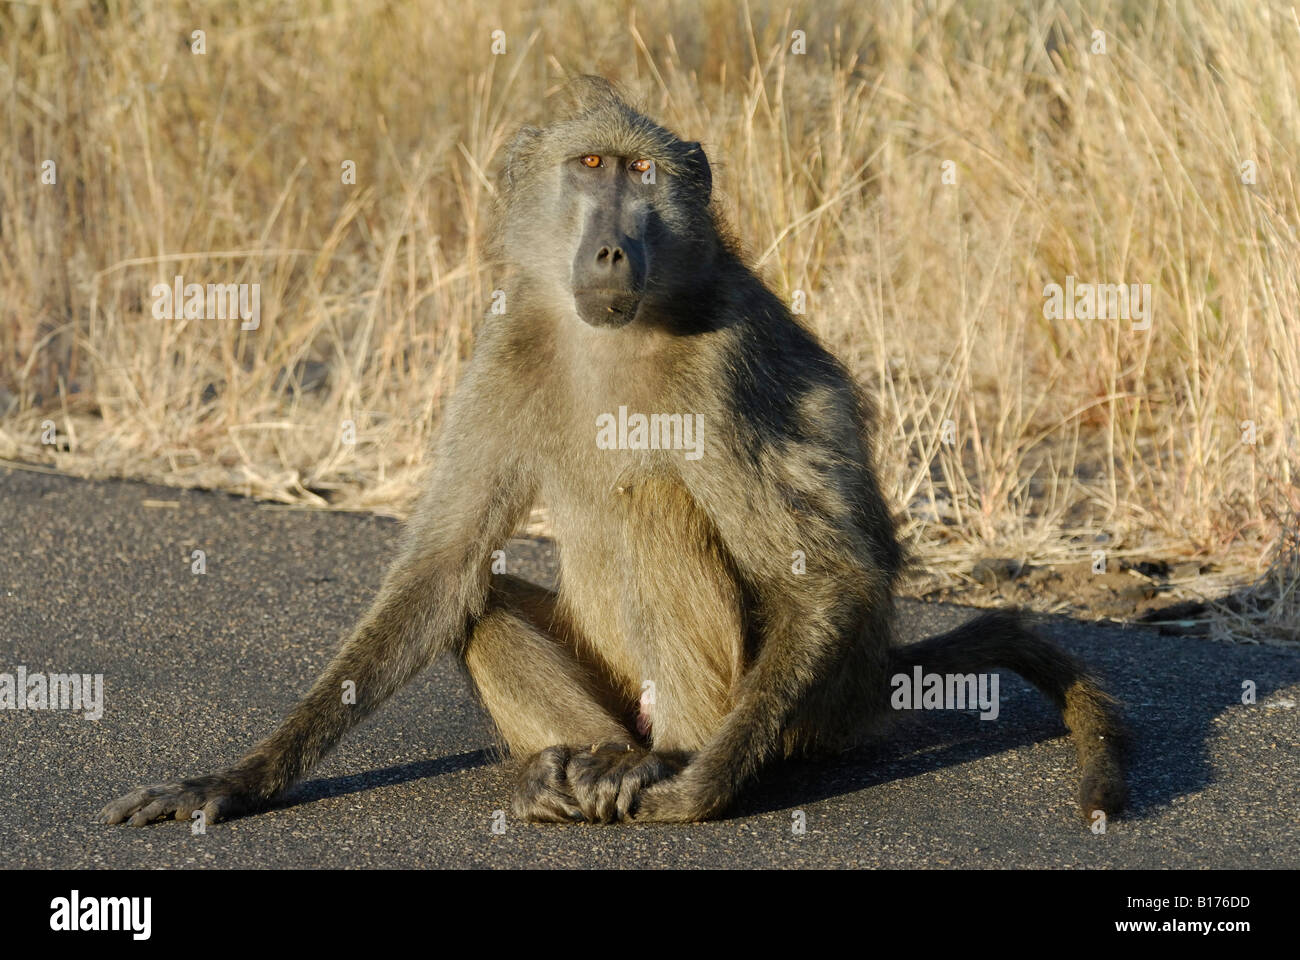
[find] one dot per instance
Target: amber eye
(590, 160)
(641, 166)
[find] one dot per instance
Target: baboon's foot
(596, 784)
(542, 792)
(220, 796)
(606, 780)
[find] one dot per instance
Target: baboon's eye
(591, 160)
(640, 166)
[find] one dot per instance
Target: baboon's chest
(647, 580)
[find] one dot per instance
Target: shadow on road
(1170, 715)
(1169, 708)
(311, 791)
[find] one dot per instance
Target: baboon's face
(608, 213)
(611, 200)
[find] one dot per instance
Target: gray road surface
(197, 668)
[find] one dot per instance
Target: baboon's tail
(1001, 639)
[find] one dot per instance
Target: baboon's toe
(542, 793)
(607, 779)
(219, 796)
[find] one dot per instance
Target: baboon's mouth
(602, 307)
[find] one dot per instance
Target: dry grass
(1115, 167)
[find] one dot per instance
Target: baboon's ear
(700, 169)
(523, 142)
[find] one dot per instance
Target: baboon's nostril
(611, 256)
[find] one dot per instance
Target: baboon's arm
(433, 592)
(795, 652)
(805, 620)
(429, 599)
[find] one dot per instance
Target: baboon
(724, 600)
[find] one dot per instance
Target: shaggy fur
(749, 589)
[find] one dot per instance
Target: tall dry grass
(1117, 167)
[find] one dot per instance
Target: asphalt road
(198, 667)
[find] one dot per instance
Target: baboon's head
(605, 209)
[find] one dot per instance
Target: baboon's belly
(653, 595)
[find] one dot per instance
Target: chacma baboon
(722, 601)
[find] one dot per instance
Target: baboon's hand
(686, 798)
(607, 779)
(220, 796)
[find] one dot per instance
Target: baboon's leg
(848, 708)
(555, 709)
(529, 676)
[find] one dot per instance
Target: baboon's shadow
(1172, 689)
(311, 791)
